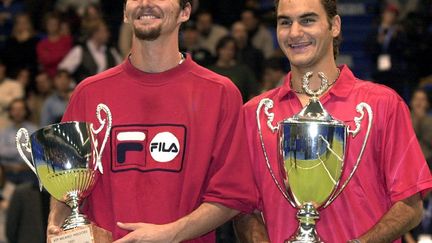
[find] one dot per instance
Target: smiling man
(175, 165)
(383, 199)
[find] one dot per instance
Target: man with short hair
(383, 200)
(182, 168)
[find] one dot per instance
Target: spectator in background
(93, 56)
(8, 10)
(274, 73)
(190, 43)
(210, 33)
(27, 222)
(240, 74)
(92, 14)
(78, 6)
(404, 6)
(259, 35)
(37, 97)
(9, 90)
(23, 76)
(125, 39)
(20, 48)
(422, 122)
(52, 49)
(246, 53)
(6, 190)
(225, 12)
(387, 46)
(55, 105)
(17, 171)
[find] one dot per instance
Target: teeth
(147, 17)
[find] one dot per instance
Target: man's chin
(148, 35)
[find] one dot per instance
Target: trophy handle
(22, 132)
(360, 109)
(103, 122)
(268, 104)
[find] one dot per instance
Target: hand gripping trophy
(311, 152)
(65, 158)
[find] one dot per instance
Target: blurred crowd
(48, 46)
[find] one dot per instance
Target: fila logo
(147, 148)
(164, 147)
(130, 141)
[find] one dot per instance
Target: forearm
(250, 228)
(402, 217)
(204, 219)
(58, 213)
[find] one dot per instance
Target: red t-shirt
(392, 168)
(177, 141)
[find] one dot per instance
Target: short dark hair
(330, 6)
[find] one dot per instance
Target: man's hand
(53, 230)
(142, 232)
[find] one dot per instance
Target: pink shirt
(176, 142)
(393, 167)
(51, 53)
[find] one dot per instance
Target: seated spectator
(259, 35)
(52, 49)
(20, 48)
(7, 189)
(274, 73)
(227, 66)
(8, 10)
(92, 13)
(93, 56)
(10, 89)
(246, 53)
(17, 171)
(190, 43)
(37, 97)
(27, 222)
(210, 33)
(76, 5)
(125, 39)
(55, 105)
(422, 122)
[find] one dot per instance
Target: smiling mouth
(146, 17)
(299, 45)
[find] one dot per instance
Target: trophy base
(83, 234)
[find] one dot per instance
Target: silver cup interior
(64, 158)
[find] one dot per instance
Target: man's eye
(285, 22)
(307, 21)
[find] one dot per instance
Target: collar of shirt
(341, 88)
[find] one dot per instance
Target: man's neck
(155, 56)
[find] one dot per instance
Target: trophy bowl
(65, 158)
(311, 157)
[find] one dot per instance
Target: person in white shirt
(93, 56)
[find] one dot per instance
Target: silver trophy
(65, 158)
(311, 154)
